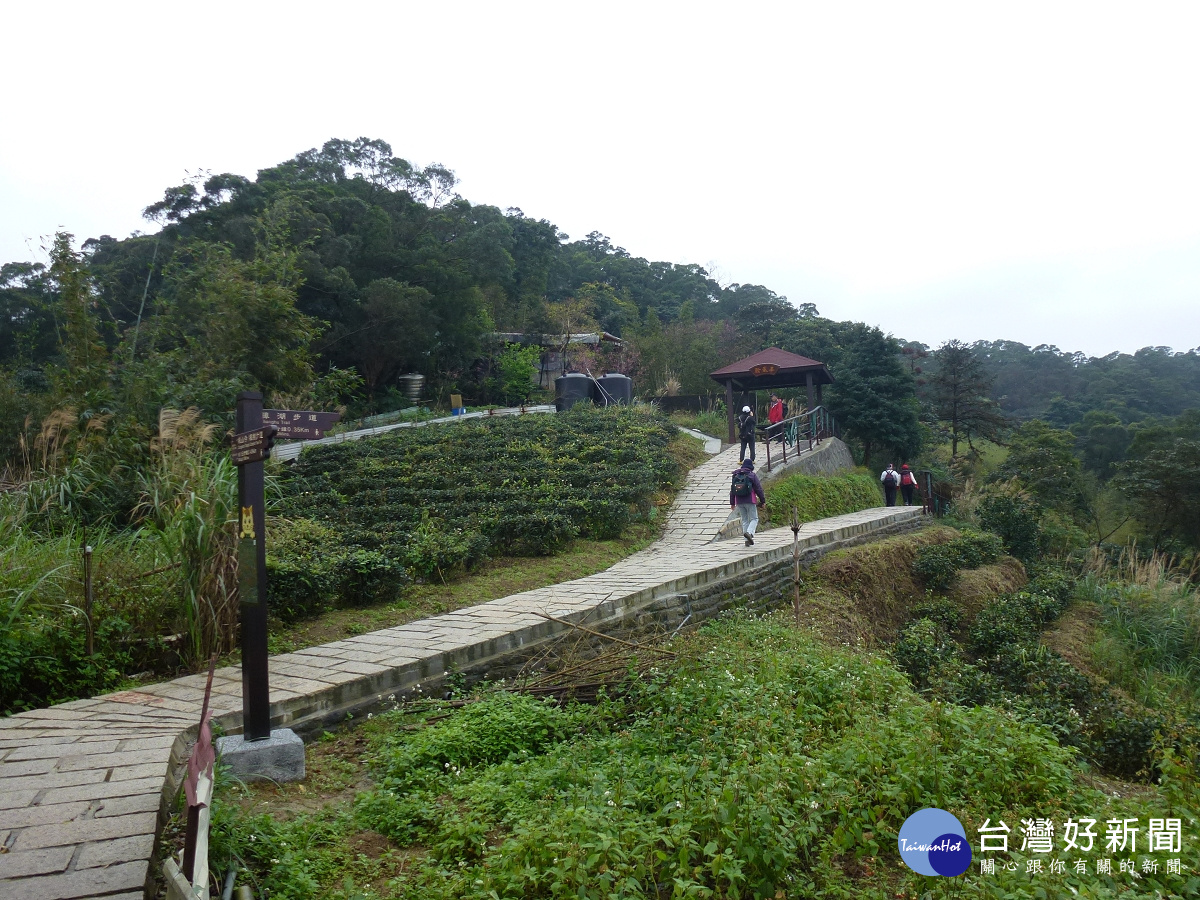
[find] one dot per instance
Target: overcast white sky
(1029, 171)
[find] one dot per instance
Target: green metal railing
(811, 426)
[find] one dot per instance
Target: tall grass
(44, 618)
(1150, 641)
(165, 590)
(189, 504)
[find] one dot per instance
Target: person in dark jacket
(746, 425)
(746, 496)
(891, 480)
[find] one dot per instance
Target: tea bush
(937, 564)
(1003, 664)
(310, 571)
(1017, 522)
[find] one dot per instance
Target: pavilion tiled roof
(772, 356)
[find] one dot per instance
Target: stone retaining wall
(759, 588)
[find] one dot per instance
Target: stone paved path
(82, 784)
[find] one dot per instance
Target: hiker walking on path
(891, 480)
(745, 497)
(746, 425)
(775, 413)
(908, 483)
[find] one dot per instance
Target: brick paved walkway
(82, 784)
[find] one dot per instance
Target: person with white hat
(746, 426)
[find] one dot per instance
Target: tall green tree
(873, 396)
(958, 392)
(1162, 478)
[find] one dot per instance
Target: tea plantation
(357, 521)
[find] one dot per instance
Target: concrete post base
(279, 758)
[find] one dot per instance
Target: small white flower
(813, 805)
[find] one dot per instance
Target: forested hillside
(327, 276)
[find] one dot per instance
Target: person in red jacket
(908, 483)
(774, 417)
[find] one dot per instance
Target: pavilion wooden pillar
(808, 383)
(729, 411)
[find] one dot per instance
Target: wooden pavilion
(769, 370)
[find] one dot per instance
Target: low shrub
(923, 647)
(1003, 664)
(937, 565)
(1017, 522)
(310, 571)
(945, 613)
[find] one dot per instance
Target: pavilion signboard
(764, 369)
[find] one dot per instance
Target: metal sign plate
(252, 446)
(300, 424)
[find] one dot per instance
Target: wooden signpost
(256, 431)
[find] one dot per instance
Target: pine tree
(959, 392)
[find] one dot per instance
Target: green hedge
(820, 496)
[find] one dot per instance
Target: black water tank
(572, 388)
(614, 388)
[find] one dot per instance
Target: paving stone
(88, 830)
(46, 861)
(124, 758)
(148, 743)
(122, 806)
(10, 799)
(54, 779)
(107, 853)
(26, 767)
(128, 877)
(105, 789)
(130, 773)
(51, 814)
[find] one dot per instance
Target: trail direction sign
(300, 424)
(252, 446)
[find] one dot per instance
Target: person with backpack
(891, 481)
(746, 496)
(908, 483)
(746, 425)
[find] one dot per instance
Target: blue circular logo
(933, 842)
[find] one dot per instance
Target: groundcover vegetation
(756, 763)
(357, 520)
